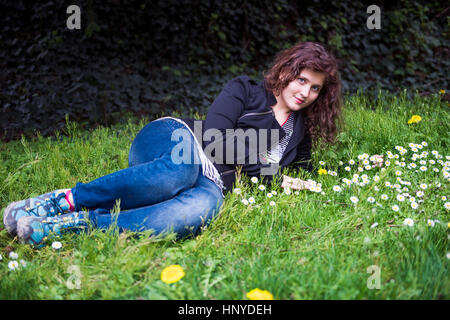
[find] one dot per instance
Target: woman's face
(301, 92)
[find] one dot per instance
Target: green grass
(308, 246)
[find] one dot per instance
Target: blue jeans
(154, 191)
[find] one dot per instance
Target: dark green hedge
(155, 57)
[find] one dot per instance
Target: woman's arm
(223, 115)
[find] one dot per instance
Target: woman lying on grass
(299, 99)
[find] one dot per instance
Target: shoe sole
(10, 226)
(23, 229)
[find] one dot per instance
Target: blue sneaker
(46, 205)
(34, 230)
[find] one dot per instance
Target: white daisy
(337, 188)
(254, 179)
(408, 222)
(354, 199)
(447, 205)
(12, 265)
(384, 197)
(371, 199)
(262, 187)
(237, 190)
(269, 195)
(347, 181)
(13, 255)
(430, 223)
(244, 201)
(351, 162)
(400, 198)
(251, 200)
(396, 208)
(56, 245)
(272, 203)
(423, 186)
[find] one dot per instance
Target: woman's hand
(295, 183)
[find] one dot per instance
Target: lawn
(361, 233)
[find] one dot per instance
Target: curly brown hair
(323, 115)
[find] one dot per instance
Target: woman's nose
(305, 92)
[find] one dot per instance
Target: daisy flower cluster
(262, 194)
(402, 182)
(14, 262)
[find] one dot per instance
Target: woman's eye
(301, 80)
(316, 89)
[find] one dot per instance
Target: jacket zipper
(228, 171)
(255, 114)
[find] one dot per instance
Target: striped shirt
(277, 152)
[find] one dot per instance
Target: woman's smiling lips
(298, 100)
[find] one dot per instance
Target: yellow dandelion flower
(172, 273)
(257, 294)
(415, 119)
(442, 91)
(322, 171)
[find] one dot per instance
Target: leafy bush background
(154, 57)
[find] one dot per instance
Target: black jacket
(246, 104)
